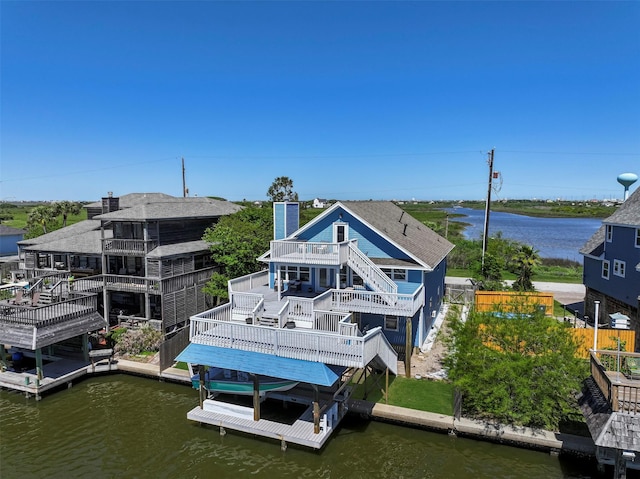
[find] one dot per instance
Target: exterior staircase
(373, 276)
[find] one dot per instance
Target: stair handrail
(380, 280)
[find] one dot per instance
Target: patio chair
(634, 367)
(18, 299)
(35, 298)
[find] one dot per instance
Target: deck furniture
(19, 299)
(35, 298)
(634, 368)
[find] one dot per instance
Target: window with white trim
(340, 232)
(300, 273)
(637, 237)
(619, 267)
(609, 233)
(395, 274)
(605, 269)
(391, 323)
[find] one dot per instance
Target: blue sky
(351, 100)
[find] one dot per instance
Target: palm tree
(41, 215)
(66, 208)
(526, 259)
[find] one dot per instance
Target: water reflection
(552, 237)
(124, 426)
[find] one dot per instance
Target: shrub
(137, 341)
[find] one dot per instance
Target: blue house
(612, 265)
(352, 289)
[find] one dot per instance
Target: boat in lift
(226, 381)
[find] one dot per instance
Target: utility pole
(184, 184)
(487, 209)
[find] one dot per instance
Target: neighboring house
(320, 203)
(612, 265)
(139, 259)
(9, 238)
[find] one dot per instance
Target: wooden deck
(240, 418)
(622, 393)
(55, 374)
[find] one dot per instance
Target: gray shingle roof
(594, 245)
(610, 429)
(628, 214)
(133, 199)
(423, 243)
(173, 209)
(64, 233)
(178, 249)
(88, 242)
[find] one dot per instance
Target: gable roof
(174, 208)
(420, 242)
(628, 214)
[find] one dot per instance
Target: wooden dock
(240, 418)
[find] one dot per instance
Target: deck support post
(316, 410)
(408, 349)
(201, 375)
(85, 346)
(3, 357)
(386, 386)
(39, 373)
(256, 397)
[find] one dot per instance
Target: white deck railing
(376, 344)
(245, 303)
(246, 283)
(299, 343)
(309, 252)
(369, 272)
(377, 303)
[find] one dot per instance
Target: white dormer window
(340, 232)
(619, 267)
(609, 233)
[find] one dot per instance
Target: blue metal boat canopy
(259, 363)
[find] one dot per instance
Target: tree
(41, 216)
(521, 371)
(282, 190)
(525, 260)
(236, 242)
(66, 208)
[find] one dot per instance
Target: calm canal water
(123, 426)
(552, 237)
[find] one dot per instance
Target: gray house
(141, 260)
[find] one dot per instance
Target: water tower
(626, 180)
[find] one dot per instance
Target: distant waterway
(551, 237)
(123, 426)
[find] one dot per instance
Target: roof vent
(404, 230)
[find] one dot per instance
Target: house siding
(369, 242)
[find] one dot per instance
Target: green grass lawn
(420, 394)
